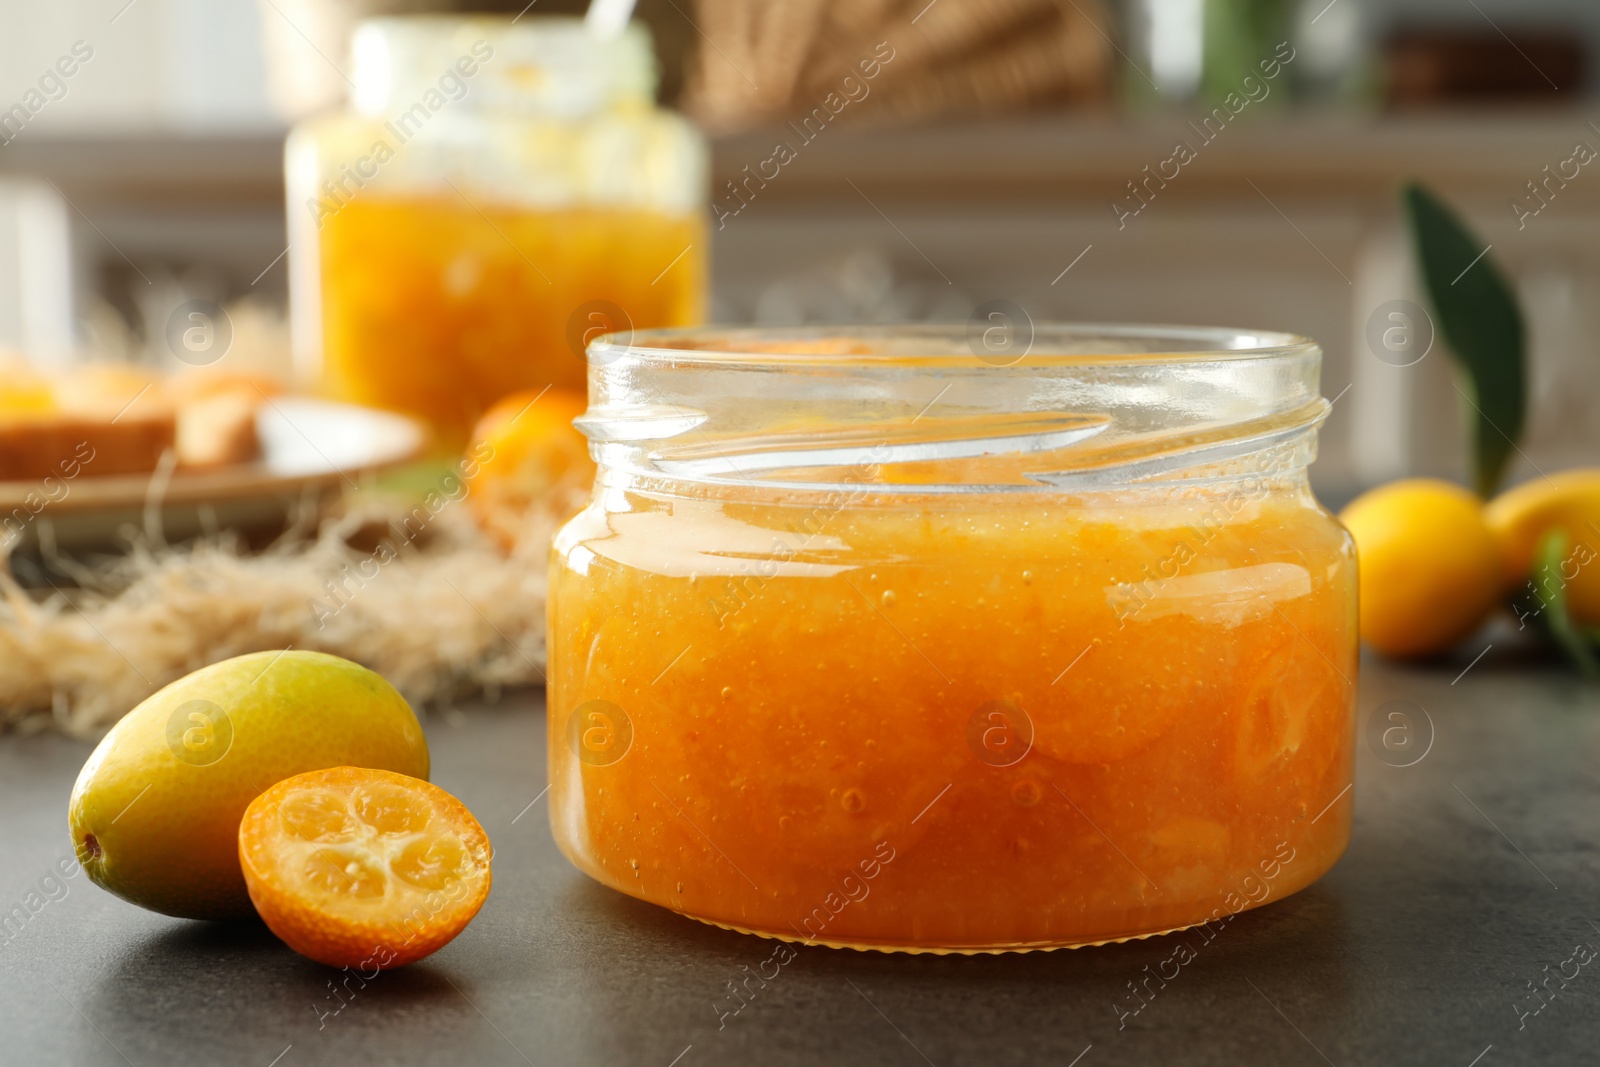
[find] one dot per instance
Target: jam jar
(872, 638)
(498, 192)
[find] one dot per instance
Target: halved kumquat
(358, 867)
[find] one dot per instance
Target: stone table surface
(1473, 874)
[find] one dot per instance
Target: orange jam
(439, 307)
(963, 724)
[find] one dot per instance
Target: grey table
(1472, 876)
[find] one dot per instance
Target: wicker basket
(768, 60)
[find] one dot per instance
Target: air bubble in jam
(853, 801)
(1027, 793)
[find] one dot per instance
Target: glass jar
(498, 192)
(879, 640)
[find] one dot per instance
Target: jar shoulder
(853, 529)
(646, 157)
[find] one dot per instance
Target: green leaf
(1550, 588)
(1481, 323)
(414, 480)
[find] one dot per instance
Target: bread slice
(217, 415)
(96, 420)
(102, 420)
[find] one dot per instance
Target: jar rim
(1058, 407)
(1077, 344)
(541, 64)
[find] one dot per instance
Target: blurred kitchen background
(1009, 159)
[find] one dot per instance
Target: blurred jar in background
(1201, 50)
(496, 193)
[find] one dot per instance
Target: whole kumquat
(155, 812)
(527, 452)
(1429, 568)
